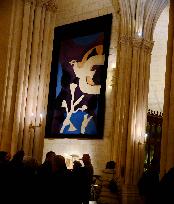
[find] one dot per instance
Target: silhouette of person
(166, 188)
(149, 183)
(77, 182)
(88, 177)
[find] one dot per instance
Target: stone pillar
(24, 69)
(130, 112)
(122, 101)
(38, 77)
(131, 105)
(5, 16)
(8, 97)
(137, 109)
(35, 40)
(167, 143)
(137, 23)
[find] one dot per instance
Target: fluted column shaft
(167, 143)
(40, 64)
(121, 102)
(8, 98)
(138, 109)
(31, 77)
(131, 106)
(137, 22)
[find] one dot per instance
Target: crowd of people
(51, 182)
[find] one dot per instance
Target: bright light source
(66, 155)
(113, 65)
(139, 33)
(145, 136)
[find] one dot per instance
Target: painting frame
(99, 30)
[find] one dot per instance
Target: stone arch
(140, 16)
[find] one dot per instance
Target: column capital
(125, 40)
(137, 42)
(142, 43)
(147, 45)
(29, 1)
(50, 5)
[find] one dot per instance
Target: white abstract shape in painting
(72, 88)
(85, 123)
(85, 74)
(84, 107)
(67, 121)
(64, 105)
(72, 128)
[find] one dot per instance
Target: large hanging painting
(76, 102)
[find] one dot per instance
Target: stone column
(6, 8)
(130, 112)
(138, 109)
(131, 106)
(12, 65)
(23, 73)
(137, 24)
(32, 46)
(167, 143)
(122, 100)
(43, 89)
(40, 64)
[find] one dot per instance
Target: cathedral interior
(138, 91)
